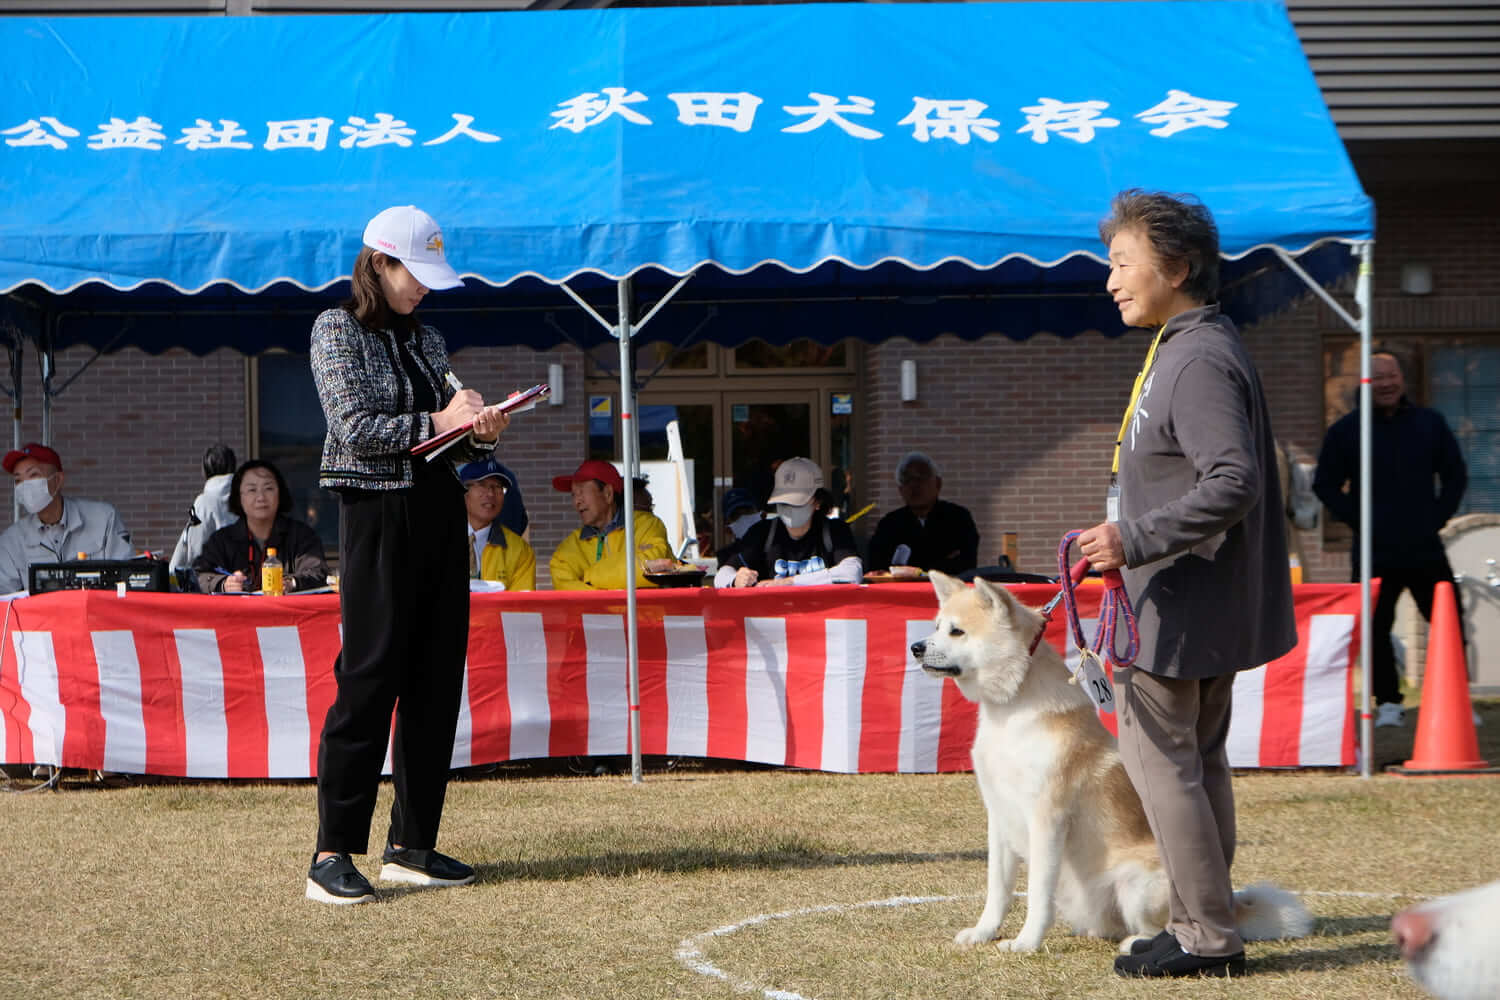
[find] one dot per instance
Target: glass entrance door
(764, 429)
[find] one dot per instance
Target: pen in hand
(452, 380)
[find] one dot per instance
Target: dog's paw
(1018, 945)
(971, 937)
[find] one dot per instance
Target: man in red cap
(593, 557)
(53, 529)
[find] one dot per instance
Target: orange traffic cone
(1446, 742)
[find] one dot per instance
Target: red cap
(40, 452)
(592, 469)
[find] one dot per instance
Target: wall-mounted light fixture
(555, 384)
(1416, 279)
(908, 381)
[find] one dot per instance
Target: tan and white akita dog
(1054, 786)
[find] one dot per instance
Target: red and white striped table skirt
(811, 677)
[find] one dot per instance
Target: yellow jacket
(584, 565)
(513, 564)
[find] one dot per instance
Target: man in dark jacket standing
(1411, 451)
(1195, 526)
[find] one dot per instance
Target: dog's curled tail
(1266, 912)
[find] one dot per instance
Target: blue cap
(739, 498)
(475, 471)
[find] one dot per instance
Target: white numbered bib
(1095, 681)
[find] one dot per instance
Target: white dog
(1055, 789)
(1450, 944)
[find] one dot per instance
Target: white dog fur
(1449, 944)
(1055, 789)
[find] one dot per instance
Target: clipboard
(519, 403)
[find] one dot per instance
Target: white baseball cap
(410, 235)
(797, 479)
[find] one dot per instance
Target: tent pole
(1365, 251)
(628, 443)
(1363, 296)
(48, 365)
(15, 350)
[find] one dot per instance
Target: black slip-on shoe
(336, 880)
(419, 866)
(1173, 962)
(1145, 945)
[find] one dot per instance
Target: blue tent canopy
(863, 170)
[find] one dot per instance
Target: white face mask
(794, 516)
(744, 524)
(34, 495)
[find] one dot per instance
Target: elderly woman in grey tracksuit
(385, 385)
(1198, 538)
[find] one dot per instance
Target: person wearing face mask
(54, 528)
(801, 545)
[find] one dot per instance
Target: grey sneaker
(1390, 714)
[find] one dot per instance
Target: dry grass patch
(589, 886)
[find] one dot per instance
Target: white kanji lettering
(954, 120)
(736, 111)
(461, 127)
(143, 133)
(385, 130)
(591, 108)
(205, 136)
(298, 133)
(31, 133)
(1182, 110)
(828, 109)
(1076, 120)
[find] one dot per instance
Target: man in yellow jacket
(593, 557)
(496, 553)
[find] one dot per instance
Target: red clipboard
(523, 400)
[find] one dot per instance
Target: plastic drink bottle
(270, 575)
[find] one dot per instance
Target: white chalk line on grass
(690, 950)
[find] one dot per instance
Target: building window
(288, 430)
(1465, 389)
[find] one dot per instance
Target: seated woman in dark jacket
(232, 556)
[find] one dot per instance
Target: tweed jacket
(367, 401)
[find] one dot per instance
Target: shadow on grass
(1322, 959)
(786, 856)
(1345, 926)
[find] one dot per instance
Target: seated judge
(232, 557)
(927, 533)
(496, 553)
(801, 545)
(593, 557)
(53, 528)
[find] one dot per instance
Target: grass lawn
(701, 882)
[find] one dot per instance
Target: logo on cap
(435, 242)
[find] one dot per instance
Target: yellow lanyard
(1135, 395)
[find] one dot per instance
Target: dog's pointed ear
(944, 585)
(992, 596)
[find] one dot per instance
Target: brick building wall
(1022, 430)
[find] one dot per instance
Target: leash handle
(1115, 603)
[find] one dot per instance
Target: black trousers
(404, 598)
(1386, 685)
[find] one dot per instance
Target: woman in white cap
(385, 385)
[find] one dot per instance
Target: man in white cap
(496, 553)
(800, 545)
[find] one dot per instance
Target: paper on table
(519, 403)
